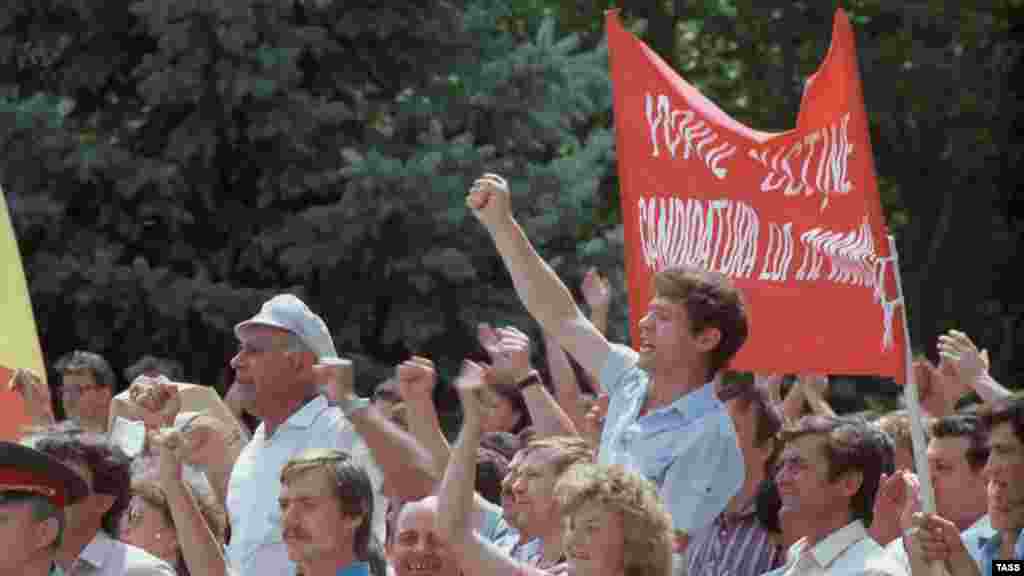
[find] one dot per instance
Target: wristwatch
(531, 379)
(351, 403)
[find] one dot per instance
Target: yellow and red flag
(19, 340)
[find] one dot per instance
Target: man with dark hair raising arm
(663, 415)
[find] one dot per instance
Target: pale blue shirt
(990, 551)
(688, 448)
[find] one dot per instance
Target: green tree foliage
(172, 163)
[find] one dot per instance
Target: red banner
(794, 218)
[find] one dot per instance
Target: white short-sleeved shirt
(104, 556)
(849, 551)
(688, 448)
(257, 546)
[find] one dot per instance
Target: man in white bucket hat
(277, 351)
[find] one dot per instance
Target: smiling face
(594, 540)
(667, 340)
(416, 548)
(534, 491)
(808, 496)
(1005, 471)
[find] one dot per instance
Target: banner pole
(912, 396)
(913, 401)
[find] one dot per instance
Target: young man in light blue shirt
(664, 420)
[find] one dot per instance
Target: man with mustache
(326, 506)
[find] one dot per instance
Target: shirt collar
(826, 551)
(990, 546)
(696, 403)
(96, 552)
(304, 416)
(355, 569)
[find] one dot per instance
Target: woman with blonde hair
(148, 523)
(614, 523)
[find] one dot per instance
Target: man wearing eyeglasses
(86, 389)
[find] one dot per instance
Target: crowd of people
(621, 462)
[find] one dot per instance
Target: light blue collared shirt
(990, 551)
(688, 448)
(355, 569)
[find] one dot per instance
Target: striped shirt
(735, 544)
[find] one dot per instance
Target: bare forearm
(425, 427)
(548, 417)
(989, 390)
(793, 404)
(199, 547)
(567, 389)
(817, 403)
(543, 293)
(599, 318)
(455, 497)
(401, 459)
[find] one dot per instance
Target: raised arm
(814, 387)
(36, 395)
(971, 366)
(597, 294)
(407, 465)
(509, 349)
(416, 382)
(541, 290)
(455, 498)
(201, 550)
(566, 385)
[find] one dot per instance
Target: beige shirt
(105, 556)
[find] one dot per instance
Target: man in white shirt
(275, 381)
(663, 418)
(828, 476)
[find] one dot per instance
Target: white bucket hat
(287, 312)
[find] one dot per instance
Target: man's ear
(102, 502)
(708, 339)
(46, 532)
(851, 482)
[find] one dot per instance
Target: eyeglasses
(76, 390)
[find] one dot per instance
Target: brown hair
(711, 301)
(214, 516)
(851, 445)
(569, 450)
(1006, 410)
(897, 425)
(646, 526)
(352, 489)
